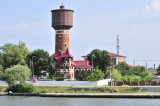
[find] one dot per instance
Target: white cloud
(20, 26)
(154, 6)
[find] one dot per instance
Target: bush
(116, 75)
(44, 91)
(22, 88)
(59, 79)
(17, 73)
(96, 76)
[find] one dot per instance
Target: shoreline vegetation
(71, 89)
(87, 92)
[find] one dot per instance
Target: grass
(3, 88)
(60, 89)
(71, 89)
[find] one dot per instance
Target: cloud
(20, 26)
(154, 5)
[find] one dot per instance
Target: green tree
(17, 73)
(116, 75)
(136, 78)
(128, 78)
(138, 70)
(158, 69)
(101, 59)
(12, 54)
(124, 69)
(96, 76)
(41, 61)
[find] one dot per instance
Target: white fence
(67, 83)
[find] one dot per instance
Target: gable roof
(115, 55)
(59, 57)
(109, 53)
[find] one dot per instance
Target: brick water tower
(62, 22)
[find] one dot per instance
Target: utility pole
(32, 67)
(92, 63)
(118, 44)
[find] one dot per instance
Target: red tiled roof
(115, 55)
(66, 54)
(109, 53)
(59, 57)
(130, 65)
(82, 63)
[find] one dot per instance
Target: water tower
(62, 22)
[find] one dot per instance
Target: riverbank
(103, 89)
(101, 95)
(92, 92)
(88, 95)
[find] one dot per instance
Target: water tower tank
(62, 18)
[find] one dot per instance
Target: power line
(142, 60)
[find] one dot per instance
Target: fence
(152, 83)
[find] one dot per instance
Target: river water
(57, 101)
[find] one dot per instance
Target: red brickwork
(62, 43)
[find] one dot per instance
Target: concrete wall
(66, 83)
(73, 83)
(3, 83)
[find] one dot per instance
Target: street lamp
(32, 68)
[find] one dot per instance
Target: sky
(96, 25)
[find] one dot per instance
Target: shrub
(17, 73)
(22, 88)
(44, 91)
(59, 79)
(96, 76)
(116, 75)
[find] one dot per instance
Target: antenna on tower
(118, 44)
(62, 3)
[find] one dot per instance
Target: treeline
(123, 72)
(12, 54)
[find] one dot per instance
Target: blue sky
(96, 25)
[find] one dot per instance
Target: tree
(17, 73)
(116, 75)
(100, 58)
(131, 78)
(96, 76)
(138, 70)
(41, 61)
(12, 54)
(158, 69)
(124, 69)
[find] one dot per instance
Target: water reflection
(52, 101)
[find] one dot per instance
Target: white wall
(3, 83)
(67, 83)
(73, 83)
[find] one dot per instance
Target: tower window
(65, 45)
(59, 38)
